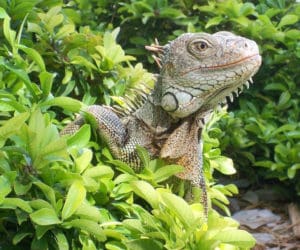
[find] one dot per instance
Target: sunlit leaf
(179, 207)
(75, 197)
(87, 225)
(45, 216)
(64, 102)
(288, 20)
(165, 172)
(235, 237)
(146, 191)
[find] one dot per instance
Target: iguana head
(199, 70)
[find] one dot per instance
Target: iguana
(198, 71)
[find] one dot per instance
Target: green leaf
(122, 166)
(39, 203)
(44, 217)
(276, 86)
(13, 125)
(134, 225)
(143, 155)
(39, 244)
(165, 172)
(291, 172)
(79, 60)
(12, 105)
(89, 226)
(21, 189)
(81, 138)
(216, 194)
(54, 21)
(17, 202)
(41, 230)
(114, 245)
(68, 76)
(288, 20)
(223, 164)
(3, 13)
(9, 34)
(75, 197)
(232, 188)
(22, 74)
(53, 152)
(33, 27)
(46, 80)
(265, 164)
(146, 191)
(99, 172)
(35, 56)
(144, 244)
(48, 192)
(61, 240)
(247, 9)
(213, 21)
(239, 238)
(284, 99)
(293, 134)
(83, 161)
(179, 207)
(20, 236)
(64, 102)
(88, 211)
(5, 187)
(64, 31)
(293, 34)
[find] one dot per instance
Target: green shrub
(68, 192)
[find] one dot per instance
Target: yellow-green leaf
(146, 191)
(44, 217)
(75, 197)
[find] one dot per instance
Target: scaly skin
(198, 71)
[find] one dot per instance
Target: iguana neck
(153, 115)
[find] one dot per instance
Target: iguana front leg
(108, 126)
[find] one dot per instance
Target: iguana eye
(201, 46)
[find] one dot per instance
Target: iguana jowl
(198, 71)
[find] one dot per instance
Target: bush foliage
(57, 57)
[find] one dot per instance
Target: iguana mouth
(222, 66)
(228, 91)
(215, 95)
